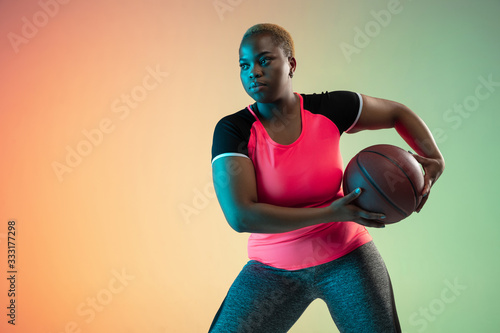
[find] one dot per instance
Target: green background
(429, 56)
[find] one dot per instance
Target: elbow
(240, 216)
(400, 114)
(238, 228)
(441, 162)
(237, 222)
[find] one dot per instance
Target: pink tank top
(306, 173)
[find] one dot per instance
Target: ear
(293, 64)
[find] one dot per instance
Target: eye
(264, 61)
(243, 66)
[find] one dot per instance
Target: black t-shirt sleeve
(231, 135)
(341, 107)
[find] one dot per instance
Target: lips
(256, 85)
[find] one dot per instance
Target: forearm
(416, 133)
(244, 213)
(266, 218)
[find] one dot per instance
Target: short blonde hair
(279, 35)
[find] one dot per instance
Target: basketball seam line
(372, 182)
(396, 164)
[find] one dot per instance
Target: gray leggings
(356, 288)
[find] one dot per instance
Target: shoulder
(342, 107)
(241, 119)
(329, 99)
(232, 133)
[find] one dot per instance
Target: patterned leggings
(356, 288)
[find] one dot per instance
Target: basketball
(391, 180)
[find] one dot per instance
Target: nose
(255, 72)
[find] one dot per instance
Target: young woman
(277, 173)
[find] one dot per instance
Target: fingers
(427, 186)
(351, 196)
(420, 159)
(370, 215)
(365, 218)
(428, 179)
(369, 219)
(370, 223)
(422, 203)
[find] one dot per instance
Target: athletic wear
(306, 173)
(356, 288)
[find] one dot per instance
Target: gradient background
(140, 202)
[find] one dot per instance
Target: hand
(343, 210)
(433, 168)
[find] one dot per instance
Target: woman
(277, 173)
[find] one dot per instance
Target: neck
(283, 107)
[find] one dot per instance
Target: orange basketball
(391, 179)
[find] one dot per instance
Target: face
(264, 69)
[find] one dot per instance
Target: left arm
(380, 113)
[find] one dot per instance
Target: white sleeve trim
(359, 112)
(228, 154)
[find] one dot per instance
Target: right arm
(236, 189)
